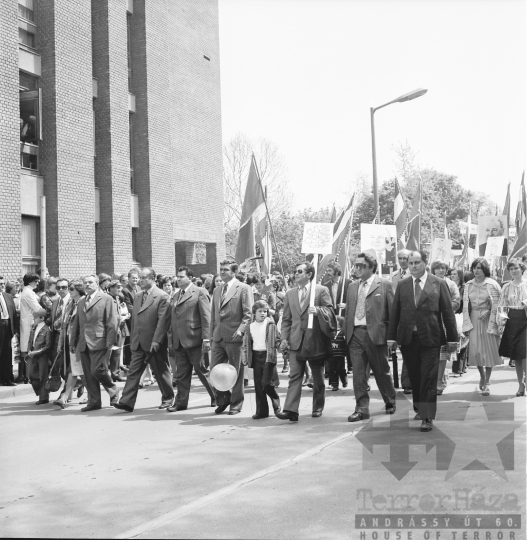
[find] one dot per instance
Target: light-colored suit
(93, 334)
(227, 317)
(28, 304)
(189, 316)
(150, 323)
(367, 346)
(304, 344)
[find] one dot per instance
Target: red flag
(521, 209)
(400, 215)
(245, 248)
(414, 222)
(520, 247)
(254, 195)
(507, 212)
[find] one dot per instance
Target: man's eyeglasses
(62, 287)
(299, 271)
(72, 288)
(360, 265)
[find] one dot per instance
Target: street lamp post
(405, 97)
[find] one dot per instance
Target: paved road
(194, 474)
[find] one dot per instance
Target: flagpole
(346, 262)
(270, 222)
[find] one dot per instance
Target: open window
(30, 121)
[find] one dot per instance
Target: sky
(304, 74)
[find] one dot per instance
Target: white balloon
(223, 377)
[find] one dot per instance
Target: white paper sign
(441, 248)
(463, 227)
(318, 238)
(494, 247)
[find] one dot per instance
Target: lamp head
(411, 95)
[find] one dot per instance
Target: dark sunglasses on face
(62, 287)
(72, 288)
(299, 271)
(360, 265)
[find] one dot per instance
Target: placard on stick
(318, 239)
(494, 247)
(441, 248)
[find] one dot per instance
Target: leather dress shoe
(121, 407)
(439, 392)
(164, 406)
(91, 408)
(426, 425)
(118, 379)
(287, 415)
(316, 414)
(334, 388)
(42, 402)
(417, 417)
(345, 384)
(115, 398)
(220, 409)
(407, 390)
(390, 409)
(213, 403)
(60, 403)
(176, 408)
(233, 412)
(258, 417)
(358, 416)
(80, 391)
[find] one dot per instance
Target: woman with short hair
(480, 313)
(512, 308)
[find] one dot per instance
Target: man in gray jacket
(149, 342)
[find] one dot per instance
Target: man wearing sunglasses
(305, 344)
(58, 305)
(368, 311)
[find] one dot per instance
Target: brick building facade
(110, 151)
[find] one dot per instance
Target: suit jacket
(43, 343)
(434, 310)
(190, 318)
(379, 301)
(149, 321)
(29, 302)
(233, 314)
(295, 321)
(11, 311)
(397, 278)
(129, 293)
(54, 305)
(342, 282)
(96, 327)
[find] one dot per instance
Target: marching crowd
(141, 326)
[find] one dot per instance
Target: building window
(30, 243)
(30, 121)
(135, 244)
(131, 142)
(26, 24)
(129, 48)
(26, 10)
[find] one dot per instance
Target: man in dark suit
(421, 306)
(231, 313)
(93, 335)
(402, 273)
(335, 284)
(129, 291)
(304, 344)
(189, 316)
(368, 311)
(58, 304)
(8, 328)
(148, 340)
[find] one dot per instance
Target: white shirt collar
(187, 288)
(228, 283)
(369, 281)
(422, 279)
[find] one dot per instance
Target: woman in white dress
(29, 303)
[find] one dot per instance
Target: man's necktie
(361, 302)
(145, 294)
(2, 312)
(417, 291)
(58, 316)
(224, 290)
(303, 294)
(181, 296)
(87, 302)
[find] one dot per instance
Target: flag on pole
(400, 215)
(507, 212)
(521, 209)
(341, 229)
(464, 259)
(446, 228)
(414, 221)
(520, 247)
(253, 198)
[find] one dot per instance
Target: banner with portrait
(379, 241)
(489, 227)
